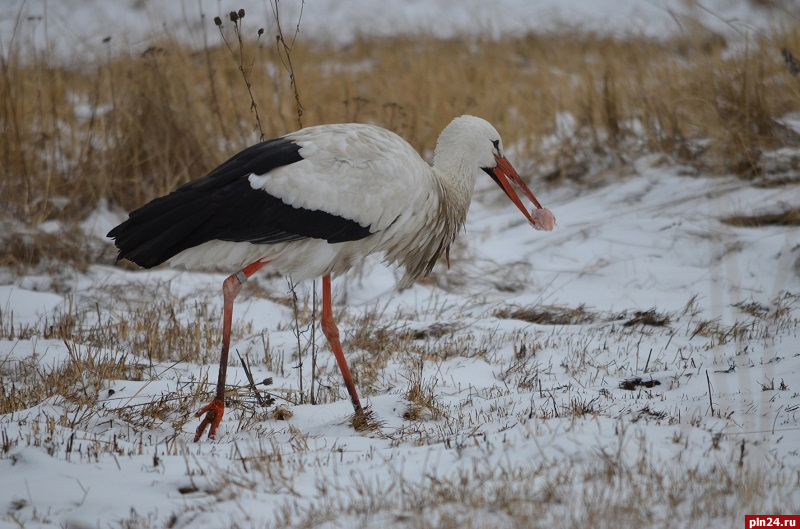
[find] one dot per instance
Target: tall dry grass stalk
(137, 125)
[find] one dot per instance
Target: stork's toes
(213, 416)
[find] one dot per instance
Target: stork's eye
(496, 144)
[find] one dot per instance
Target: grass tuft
(366, 420)
(549, 315)
(648, 317)
(789, 216)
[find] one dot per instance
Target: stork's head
(475, 141)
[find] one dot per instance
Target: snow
(90, 29)
(503, 387)
(26, 306)
(663, 246)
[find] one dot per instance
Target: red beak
(504, 172)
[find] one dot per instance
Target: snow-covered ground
(652, 241)
(661, 387)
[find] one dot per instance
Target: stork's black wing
(224, 206)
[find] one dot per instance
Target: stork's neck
(453, 182)
(455, 172)
(455, 187)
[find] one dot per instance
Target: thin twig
(710, 400)
(249, 374)
(236, 17)
(297, 335)
(648, 360)
(212, 85)
(285, 53)
(239, 452)
(313, 342)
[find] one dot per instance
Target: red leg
(332, 334)
(214, 410)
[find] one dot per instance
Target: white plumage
(363, 173)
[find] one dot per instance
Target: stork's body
(314, 203)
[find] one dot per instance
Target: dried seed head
(217, 21)
(241, 13)
(260, 31)
(234, 16)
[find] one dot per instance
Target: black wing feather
(224, 206)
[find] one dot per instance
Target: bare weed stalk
(237, 17)
(285, 53)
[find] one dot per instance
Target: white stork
(315, 202)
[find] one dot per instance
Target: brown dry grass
(789, 216)
(135, 126)
(127, 341)
(549, 315)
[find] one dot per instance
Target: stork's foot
(213, 416)
(366, 420)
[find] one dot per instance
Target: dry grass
(789, 216)
(51, 252)
(133, 341)
(549, 315)
(559, 315)
(25, 383)
(135, 126)
(421, 395)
